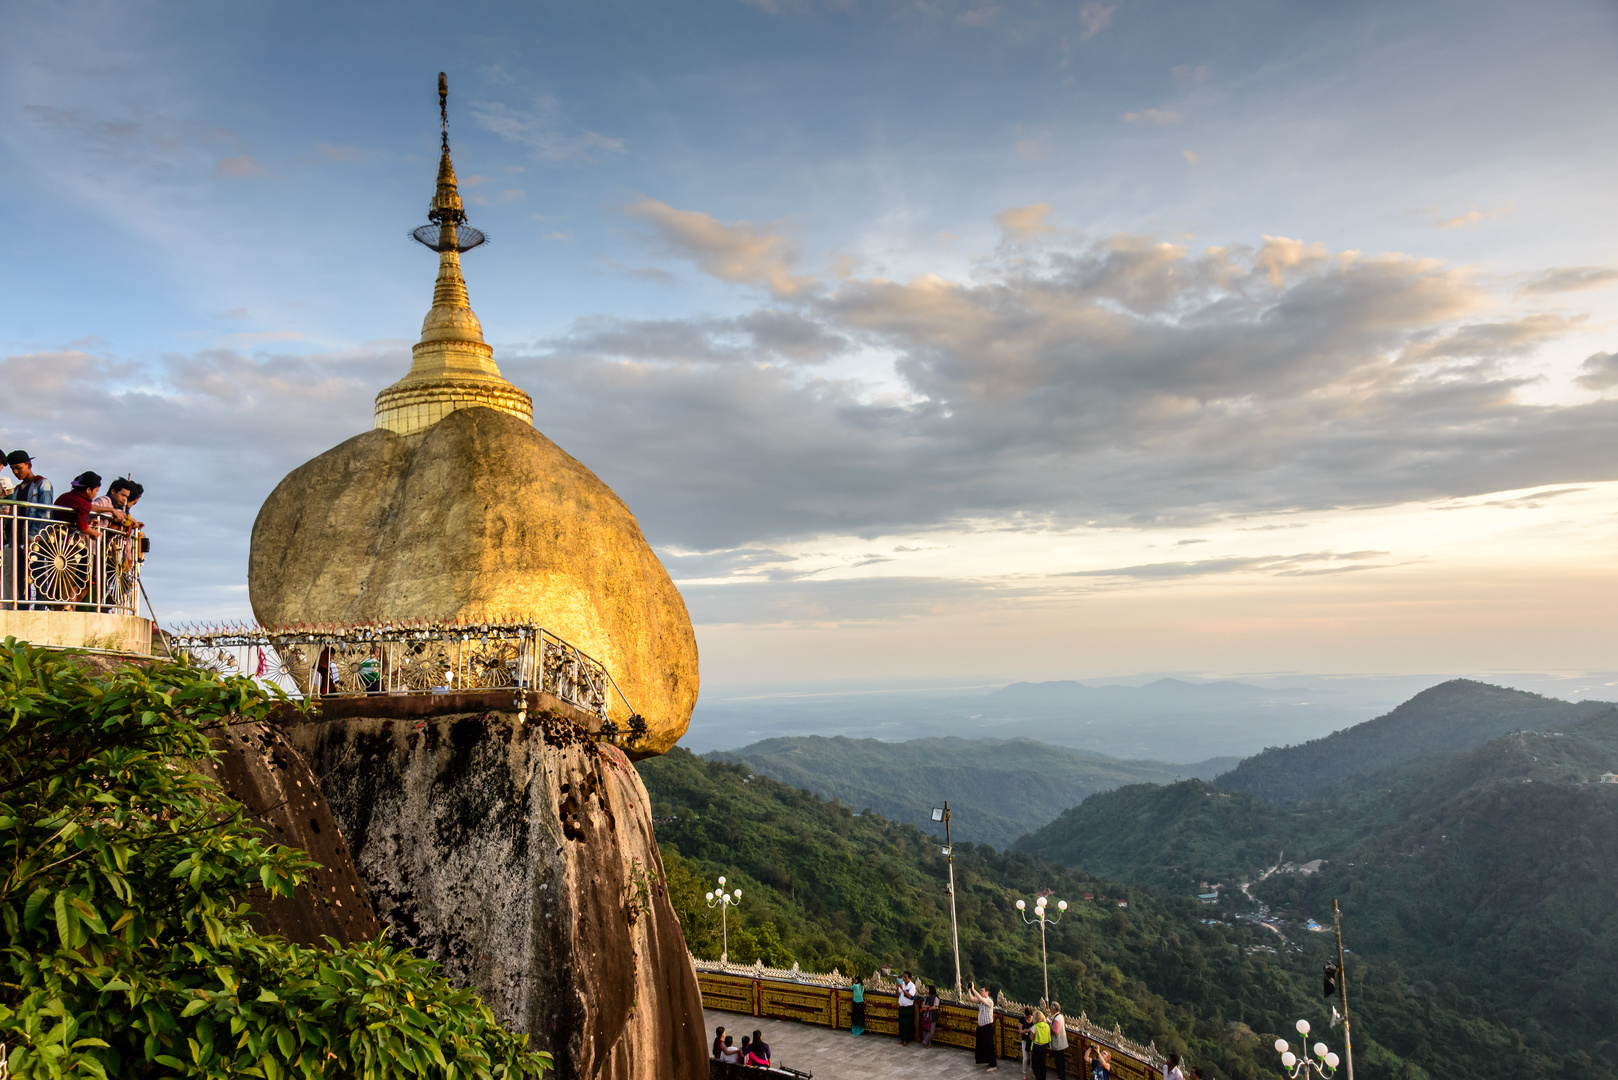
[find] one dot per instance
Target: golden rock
(455, 507)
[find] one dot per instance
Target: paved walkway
(837, 1055)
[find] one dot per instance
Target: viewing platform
(421, 668)
(67, 587)
(825, 1001)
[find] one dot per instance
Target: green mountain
(827, 887)
(1447, 719)
(998, 789)
(1175, 835)
(1480, 883)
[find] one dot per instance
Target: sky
(927, 340)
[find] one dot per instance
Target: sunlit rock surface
(480, 516)
(522, 857)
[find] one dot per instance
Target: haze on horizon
(928, 341)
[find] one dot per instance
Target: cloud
(239, 167)
(209, 433)
(1122, 380)
(1285, 565)
(1600, 371)
(741, 253)
(1152, 116)
(1021, 223)
(1472, 217)
(540, 129)
(1095, 16)
(1571, 279)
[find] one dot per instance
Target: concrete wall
(79, 629)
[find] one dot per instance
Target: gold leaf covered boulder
(455, 507)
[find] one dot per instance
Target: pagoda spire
(451, 366)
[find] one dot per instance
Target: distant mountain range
(1469, 834)
(1166, 720)
(998, 789)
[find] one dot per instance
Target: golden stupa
(455, 507)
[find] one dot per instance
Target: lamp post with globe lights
(1322, 1062)
(723, 900)
(1042, 918)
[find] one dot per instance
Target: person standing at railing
(856, 1017)
(120, 497)
(1059, 1040)
(81, 500)
(7, 524)
(930, 1006)
(35, 489)
(986, 1054)
(907, 1009)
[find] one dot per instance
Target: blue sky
(899, 325)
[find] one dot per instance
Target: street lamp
(1042, 918)
(724, 899)
(941, 813)
(1323, 1063)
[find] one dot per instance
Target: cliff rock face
(261, 770)
(522, 857)
(483, 517)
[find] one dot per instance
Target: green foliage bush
(128, 950)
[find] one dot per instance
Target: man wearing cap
(31, 488)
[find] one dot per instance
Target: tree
(127, 944)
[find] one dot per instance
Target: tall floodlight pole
(942, 814)
(1342, 988)
(724, 899)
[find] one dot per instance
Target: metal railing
(409, 657)
(885, 988)
(48, 564)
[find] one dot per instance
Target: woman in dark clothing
(985, 1042)
(718, 1042)
(930, 1006)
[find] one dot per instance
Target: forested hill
(1447, 719)
(998, 789)
(1481, 883)
(825, 886)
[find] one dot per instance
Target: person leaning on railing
(121, 497)
(81, 499)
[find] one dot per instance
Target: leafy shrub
(127, 946)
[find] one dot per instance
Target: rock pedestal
(522, 857)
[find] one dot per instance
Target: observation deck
(69, 588)
(420, 668)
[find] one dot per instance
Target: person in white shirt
(1172, 1070)
(907, 1009)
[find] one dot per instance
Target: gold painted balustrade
(824, 999)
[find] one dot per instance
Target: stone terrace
(837, 1055)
